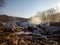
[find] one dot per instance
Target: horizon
(28, 8)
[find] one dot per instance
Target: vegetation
(2, 3)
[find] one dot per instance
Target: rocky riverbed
(9, 37)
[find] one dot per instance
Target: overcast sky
(28, 8)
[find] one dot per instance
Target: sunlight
(58, 7)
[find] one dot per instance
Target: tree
(2, 3)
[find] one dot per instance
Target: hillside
(5, 18)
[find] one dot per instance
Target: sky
(28, 8)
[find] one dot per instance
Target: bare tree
(2, 3)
